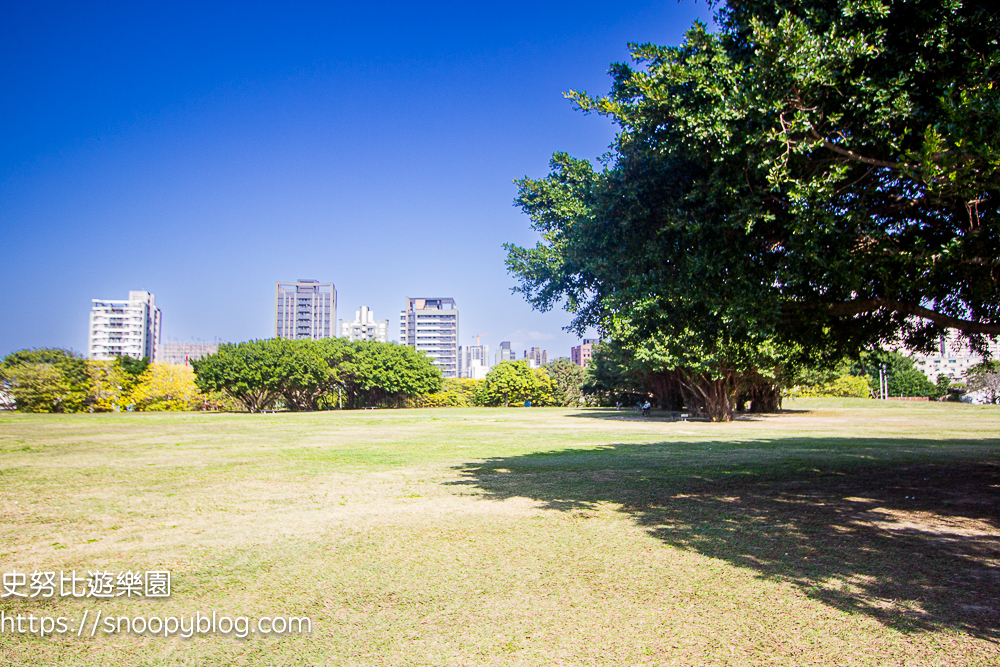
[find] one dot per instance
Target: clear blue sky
(205, 151)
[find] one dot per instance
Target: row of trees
(310, 375)
(276, 373)
(316, 374)
(56, 380)
(816, 179)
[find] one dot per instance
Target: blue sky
(205, 151)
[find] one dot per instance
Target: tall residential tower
(125, 328)
(305, 309)
(430, 325)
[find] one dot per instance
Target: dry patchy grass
(839, 533)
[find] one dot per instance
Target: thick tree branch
(860, 306)
(860, 158)
(857, 157)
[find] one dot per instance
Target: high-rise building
(125, 328)
(306, 309)
(582, 354)
(364, 327)
(537, 357)
(505, 353)
(184, 352)
(473, 361)
(430, 325)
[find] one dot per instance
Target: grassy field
(838, 533)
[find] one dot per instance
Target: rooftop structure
(365, 327)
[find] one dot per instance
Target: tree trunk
(712, 397)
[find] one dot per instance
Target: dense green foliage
(794, 188)
(985, 379)
(380, 374)
(46, 380)
(904, 378)
(568, 379)
(677, 377)
(511, 383)
(454, 393)
(307, 375)
(56, 380)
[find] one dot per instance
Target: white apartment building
(952, 358)
(364, 327)
(430, 325)
(306, 309)
(125, 328)
(473, 361)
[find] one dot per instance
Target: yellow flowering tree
(166, 387)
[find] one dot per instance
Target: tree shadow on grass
(904, 531)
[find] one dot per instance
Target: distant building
(952, 358)
(505, 353)
(582, 354)
(473, 361)
(537, 357)
(430, 325)
(128, 328)
(306, 309)
(364, 327)
(184, 352)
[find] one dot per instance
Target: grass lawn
(840, 532)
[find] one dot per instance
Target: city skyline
(147, 151)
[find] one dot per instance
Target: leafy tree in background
(306, 374)
(46, 380)
(513, 382)
(943, 385)
(568, 379)
(985, 379)
(163, 387)
(112, 382)
(382, 374)
(244, 371)
(110, 385)
(844, 386)
(131, 365)
(608, 379)
(905, 379)
(817, 178)
(301, 373)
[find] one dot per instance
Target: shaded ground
(914, 545)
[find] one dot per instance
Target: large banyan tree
(815, 178)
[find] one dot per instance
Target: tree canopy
(816, 178)
(46, 380)
(512, 382)
(307, 374)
